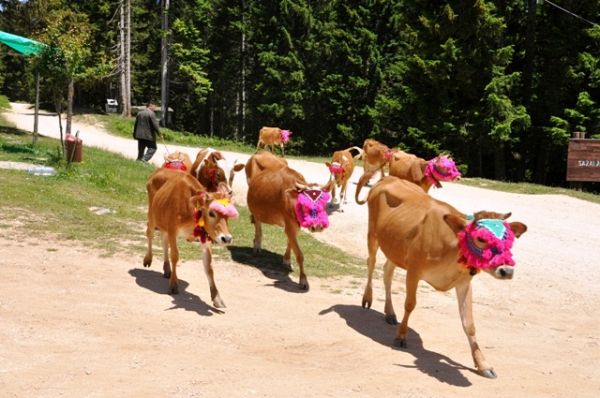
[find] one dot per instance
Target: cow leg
(207, 261)
(412, 281)
(287, 261)
(343, 192)
(166, 263)
(372, 245)
(257, 236)
(464, 294)
(388, 275)
(292, 234)
(172, 237)
(150, 237)
(333, 197)
(282, 151)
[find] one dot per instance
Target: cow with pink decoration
(436, 243)
(270, 136)
(279, 195)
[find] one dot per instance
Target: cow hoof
(218, 303)
(400, 343)
(488, 373)
(391, 319)
(304, 285)
(147, 262)
(366, 303)
(174, 290)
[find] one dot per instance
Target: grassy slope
(60, 205)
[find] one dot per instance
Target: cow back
(410, 225)
(263, 160)
(409, 167)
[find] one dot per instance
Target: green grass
(528, 188)
(4, 102)
(60, 206)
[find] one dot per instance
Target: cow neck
(199, 230)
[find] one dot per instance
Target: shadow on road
(270, 264)
(154, 281)
(371, 323)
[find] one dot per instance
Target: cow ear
(455, 222)
(327, 164)
(417, 170)
(300, 187)
(518, 228)
(238, 166)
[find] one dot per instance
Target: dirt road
(74, 323)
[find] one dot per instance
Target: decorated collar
(498, 238)
(388, 154)
(441, 168)
(199, 230)
(310, 208)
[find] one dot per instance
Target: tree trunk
(164, 62)
(58, 107)
(499, 162)
(125, 56)
(122, 83)
(37, 107)
(128, 58)
(70, 96)
(242, 92)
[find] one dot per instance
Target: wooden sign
(583, 160)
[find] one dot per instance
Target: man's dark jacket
(146, 126)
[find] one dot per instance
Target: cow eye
(212, 214)
(480, 240)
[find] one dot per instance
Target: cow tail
(361, 182)
(358, 150)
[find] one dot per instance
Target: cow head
(485, 242)
(285, 135)
(310, 206)
(213, 210)
(177, 161)
(441, 168)
(215, 170)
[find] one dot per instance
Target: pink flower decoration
(310, 208)
(496, 253)
(336, 168)
(441, 168)
(285, 135)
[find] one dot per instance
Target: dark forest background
(500, 85)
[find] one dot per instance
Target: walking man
(145, 132)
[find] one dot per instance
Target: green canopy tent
(26, 47)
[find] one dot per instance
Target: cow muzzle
(224, 239)
(504, 272)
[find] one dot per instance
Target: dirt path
(73, 323)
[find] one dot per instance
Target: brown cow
(436, 243)
(211, 169)
(182, 207)
(424, 173)
(178, 161)
(270, 136)
(341, 168)
(375, 156)
(261, 161)
(279, 195)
